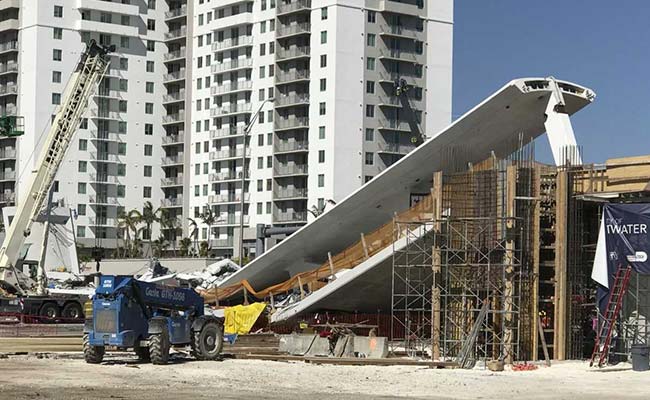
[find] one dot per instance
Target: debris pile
(210, 276)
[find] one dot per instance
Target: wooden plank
(634, 160)
(543, 339)
(331, 265)
(365, 246)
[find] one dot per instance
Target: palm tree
(316, 211)
(159, 246)
(209, 218)
(149, 216)
(128, 221)
(171, 223)
(194, 234)
(185, 244)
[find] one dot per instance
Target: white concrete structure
(114, 164)
(333, 122)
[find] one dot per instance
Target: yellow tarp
(240, 319)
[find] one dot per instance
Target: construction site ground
(122, 377)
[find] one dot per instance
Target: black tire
(72, 310)
(208, 342)
(49, 312)
(142, 353)
(159, 347)
(92, 354)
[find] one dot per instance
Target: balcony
(400, 8)
(174, 76)
(104, 179)
(172, 202)
(222, 243)
(104, 136)
(174, 97)
(390, 101)
(109, 7)
(235, 19)
(237, 86)
(393, 76)
(290, 170)
(103, 200)
(7, 154)
(231, 43)
(232, 131)
(7, 197)
(394, 148)
(399, 31)
(172, 181)
(108, 27)
(282, 146)
(229, 153)
(9, 109)
(289, 193)
(176, 13)
(173, 139)
(291, 123)
(173, 160)
(227, 176)
(9, 68)
(175, 55)
(291, 53)
(285, 31)
(7, 175)
(227, 198)
(292, 216)
(296, 6)
(177, 34)
(173, 118)
(111, 94)
(230, 109)
(240, 63)
(397, 54)
(394, 124)
(9, 46)
(102, 114)
(102, 222)
(291, 100)
(104, 157)
(230, 219)
(291, 76)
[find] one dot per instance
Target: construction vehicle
(149, 318)
(24, 283)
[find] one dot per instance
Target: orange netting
(349, 258)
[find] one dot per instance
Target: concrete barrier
(371, 347)
(316, 346)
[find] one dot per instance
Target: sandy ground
(27, 377)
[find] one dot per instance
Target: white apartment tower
(114, 163)
(322, 74)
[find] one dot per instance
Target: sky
(603, 45)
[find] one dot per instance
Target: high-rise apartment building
(320, 77)
(114, 162)
(167, 124)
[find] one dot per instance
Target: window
(151, 24)
(323, 60)
(260, 185)
(370, 87)
(260, 140)
(260, 208)
(199, 62)
(262, 26)
(146, 192)
(148, 150)
(372, 17)
(271, 72)
(148, 170)
(197, 169)
(150, 66)
(268, 207)
(81, 231)
(322, 109)
(260, 162)
(419, 47)
(124, 85)
(321, 180)
(206, 168)
(81, 209)
(323, 37)
(269, 138)
(371, 40)
(263, 5)
(199, 102)
(271, 47)
(121, 126)
(269, 185)
(58, 11)
(323, 84)
(148, 108)
(199, 83)
(323, 13)
(262, 49)
(122, 105)
(81, 188)
(125, 20)
(56, 98)
(197, 147)
(56, 76)
(269, 162)
(121, 191)
(367, 178)
(205, 190)
(370, 158)
(83, 145)
(151, 45)
(84, 123)
(83, 166)
(57, 33)
(370, 134)
(121, 149)
(197, 193)
(321, 132)
(124, 42)
(151, 4)
(106, 17)
(262, 71)
(321, 156)
(261, 94)
(149, 87)
(370, 110)
(370, 64)
(105, 40)
(272, 25)
(124, 63)
(148, 129)
(56, 54)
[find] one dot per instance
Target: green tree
(128, 222)
(194, 234)
(185, 245)
(149, 216)
(171, 224)
(159, 246)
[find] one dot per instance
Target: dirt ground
(121, 377)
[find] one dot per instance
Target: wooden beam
(543, 339)
(535, 279)
(508, 334)
(436, 259)
(331, 264)
(561, 210)
(365, 246)
(302, 291)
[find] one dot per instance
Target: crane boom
(89, 72)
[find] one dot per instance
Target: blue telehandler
(149, 318)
